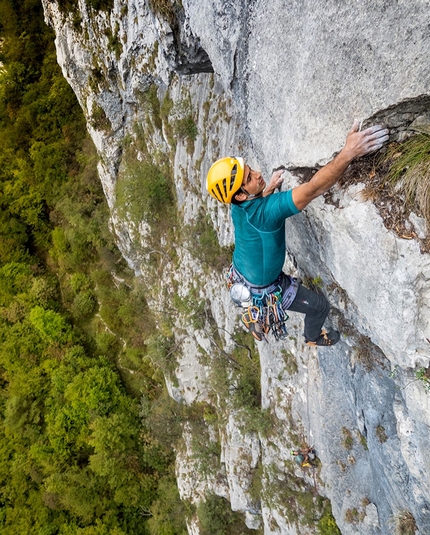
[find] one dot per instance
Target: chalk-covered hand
(275, 181)
(361, 143)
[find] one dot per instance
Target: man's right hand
(357, 144)
(360, 143)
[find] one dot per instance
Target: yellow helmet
(225, 178)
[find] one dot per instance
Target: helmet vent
(221, 196)
(233, 176)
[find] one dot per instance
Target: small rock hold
(419, 224)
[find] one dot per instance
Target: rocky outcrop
(287, 80)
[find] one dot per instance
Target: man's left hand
(275, 181)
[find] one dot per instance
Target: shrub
(204, 244)
(144, 191)
(404, 523)
(352, 516)
(84, 304)
(186, 128)
(79, 282)
(348, 441)
(166, 9)
(99, 119)
(51, 326)
(217, 518)
(423, 375)
(380, 433)
(327, 524)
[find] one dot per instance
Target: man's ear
(241, 196)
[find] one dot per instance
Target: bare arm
(357, 144)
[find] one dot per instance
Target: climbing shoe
(325, 339)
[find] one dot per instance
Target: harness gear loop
(266, 306)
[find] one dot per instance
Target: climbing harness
(263, 308)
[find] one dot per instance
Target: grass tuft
(404, 523)
(410, 171)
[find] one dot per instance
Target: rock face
(288, 78)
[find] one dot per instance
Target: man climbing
(258, 218)
(304, 457)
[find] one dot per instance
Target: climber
(258, 218)
(304, 457)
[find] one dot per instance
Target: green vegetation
(235, 377)
(183, 123)
(166, 9)
(327, 524)
(410, 170)
(313, 283)
(404, 523)
(217, 518)
(297, 499)
(364, 349)
(144, 192)
(186, 128)
(290, 362)
(347, 440)
(423, 375)
(66, 6)
(381, 434)
(352, 516)
(99, 120)
(202, 241)
(78, 456)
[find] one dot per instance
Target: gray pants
(316, 309)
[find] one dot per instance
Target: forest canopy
(76, 454)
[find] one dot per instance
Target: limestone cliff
(280, 83)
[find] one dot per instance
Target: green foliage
(183, 123)
(185, 127)
(217, 518)
(150, 100)
(204, 245)
(423, 375)
(352, 515)
(166, 9)
(144, 192)
(51, 326)
(66, 6)
(101, 5)
(315, 283)
(99, 119)
(168, 511)
(293, 495)
(114, 42)
(347, 440)
(404, 523)
(327, 524)
(290, 362)
(381, 434)
(76, 457)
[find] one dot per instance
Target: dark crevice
(400, 118)
(182, 49)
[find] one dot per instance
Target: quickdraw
(265, 309)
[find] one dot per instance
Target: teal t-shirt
(259, 228)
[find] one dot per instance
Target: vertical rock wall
(288, 78)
